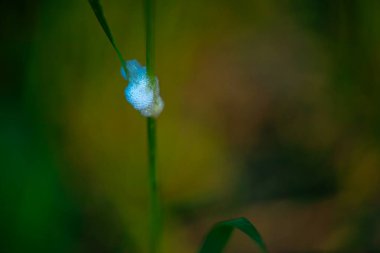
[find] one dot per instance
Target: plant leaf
(98, 11)
(217, 238)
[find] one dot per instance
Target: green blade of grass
(98, 11)
(219, 235)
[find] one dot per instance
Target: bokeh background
(272, 113)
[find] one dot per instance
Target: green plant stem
(149, 22)
(155, 221)
(155, 217)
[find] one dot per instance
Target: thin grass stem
(149, 28)
(155, 219)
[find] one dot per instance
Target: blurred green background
(272, 112)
